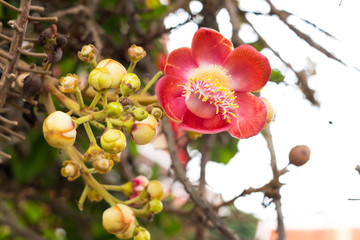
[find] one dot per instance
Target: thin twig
(280, 218)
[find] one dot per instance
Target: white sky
(315, 195)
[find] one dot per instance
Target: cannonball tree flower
(207, 88)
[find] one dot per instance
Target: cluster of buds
(120, 219)
(122, 118)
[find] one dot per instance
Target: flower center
(206, 96)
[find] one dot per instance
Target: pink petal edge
(210, 47)
(191, 122)
(251, 116)
(249, 69)
(179, 63)
(170, 97)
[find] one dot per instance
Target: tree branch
(199, 202)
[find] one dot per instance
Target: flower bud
(139, 113)
(71, 170)
(68, 83)
(270, 111)
(136, 53)
(157, 113)
(119, 219)
(138, 185)
(59, 130)
(155, 190)
(194, 135)
(88, 53)
(100, 79)
(144, 131)
(127, 234)
(115, 109)
(141, 233)
(114, 156)
(102, 165)
(113, 141)
(129, 84)
(116, 70)
(154, 206)
(94, 196)
(299, 155)
(94, 152)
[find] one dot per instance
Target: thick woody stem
(16, 42)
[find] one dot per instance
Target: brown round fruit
(299, 155)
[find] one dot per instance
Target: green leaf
(276, 76)
(225, 150)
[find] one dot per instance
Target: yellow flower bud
(129, 84)
(87, 53)
(113, 141)
(157, 113)
(68, 83)
(141, 233)
(144, 131)
(136, 53)
(115, 109)
(94, 196)
(59, 130)
(71, 170)
(155, 190)
(100, 79)
(119, 219)
(127, 234)
(270, 111)
(114, 156)
(116, 70)
(102, 165)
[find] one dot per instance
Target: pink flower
(207, 88)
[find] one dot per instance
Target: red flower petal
(251, 116)
(179, 63)
(210, 47)
(170, 96)
(249, 69)
(191, 122)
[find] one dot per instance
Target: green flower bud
(139, 113)
(144, 131)
(119, 219)
(59, 130)
(130, 84)
(115, 109)
(155, 190)
(154, 206)
(141, 233)
(116, 70)
(100, 79)
(113, 141)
